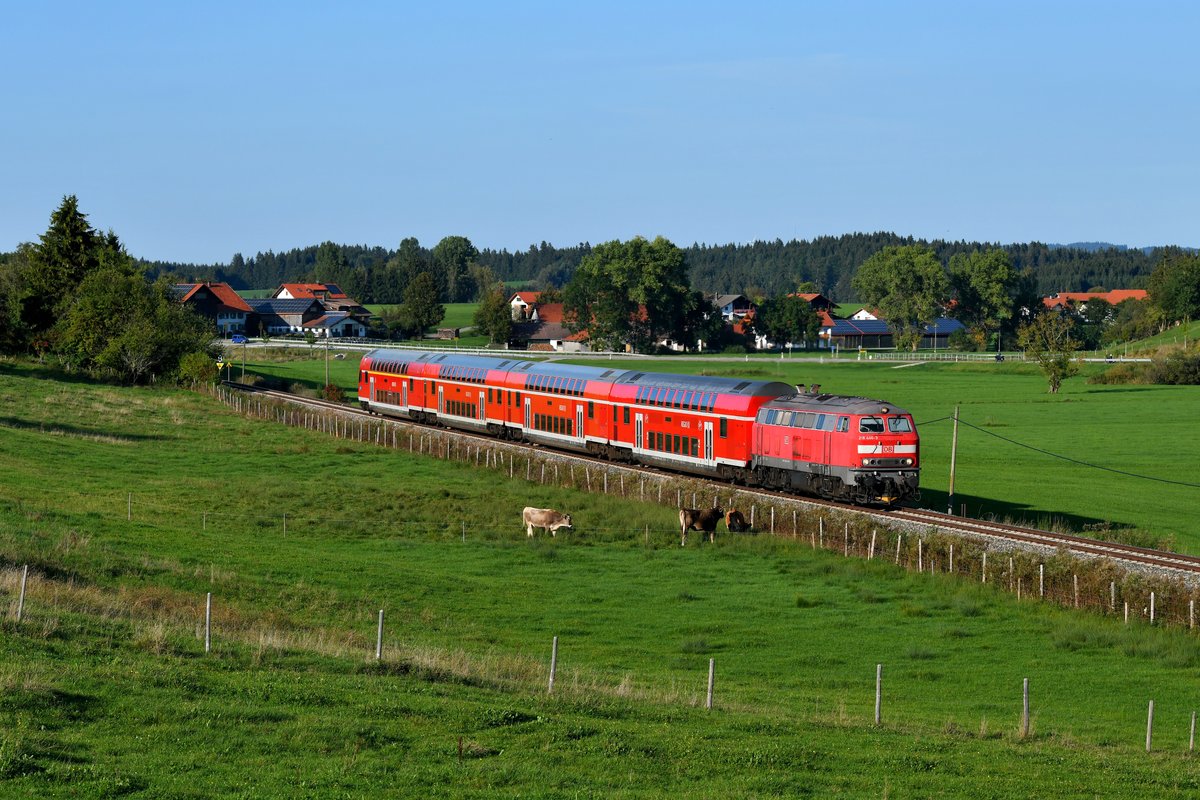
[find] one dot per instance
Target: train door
(441, 403)
(482, 407)
(708, 441)
(579, 422)
(528, 413)
(404, 393)
(371, 390)
(638, 427)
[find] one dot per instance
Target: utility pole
(953, 455)
(327, 356)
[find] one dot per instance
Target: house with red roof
(521, 303)
(216, 301)
(1078, 300)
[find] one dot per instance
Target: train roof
(833, 404)
(516, 365)
(621, 376)
(707, 383)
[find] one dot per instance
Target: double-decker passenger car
(754, 432)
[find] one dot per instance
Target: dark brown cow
(703, 521)
(735, 521)
(546, 518)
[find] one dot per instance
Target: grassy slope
(97, 702)
(1134, 429)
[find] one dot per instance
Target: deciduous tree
(632, 293)
(1175, 286)
(787, 318)
(984, 285)
(907, 284)
(1046, 339)
(452, 259)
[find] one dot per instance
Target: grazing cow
(703, 521)
(735, 521)
(546, 518)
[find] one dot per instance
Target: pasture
(132, 504)
(1039, 476)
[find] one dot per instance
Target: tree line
(762, 269)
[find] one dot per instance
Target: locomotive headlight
(908, 462)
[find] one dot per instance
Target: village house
(218, 302)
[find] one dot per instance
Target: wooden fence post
(871, 552)
(1042, 580)
(711, 674)
(1025, 709)
(920, 555)
(1149, 725)
(878, 692)
(846, 540)
(379, 638)
(1075, 580)
(772, 520)
(951, 558)
(208, 623)
(1112, 595)
(21, 599)
(821, 531)
(129, 507)
(898, 535)
(1192, 734)
(1152, 608)
(1126, 612)
(553, 665)
(1191, 613)
(983, 572)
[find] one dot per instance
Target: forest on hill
(765, 268)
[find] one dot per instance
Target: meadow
(1108, 460)
(130, 505)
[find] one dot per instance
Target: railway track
(1004, 536)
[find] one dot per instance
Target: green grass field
(107, 690)
(1143, 430)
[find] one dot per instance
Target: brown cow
(546, 518)
(703, 521)
(735, 522)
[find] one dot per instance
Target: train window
(518, 394)
(827, 425)
(724, 427)
(591, 410)
(489, 395)
(785, 418)
(843, 424)
(570, 427)
(659, 441)
(614, 414)
(695, 448)
(899, 425)
(820, 422)
(806, 420)
(870, 425)
(675, 443)
(626, 415)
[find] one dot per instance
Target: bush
(1178, 369)
(1122, 374)
(333, 393)
(964, 341)
(197, 368)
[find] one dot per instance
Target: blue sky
(199, 130)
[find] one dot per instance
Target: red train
(761, 433)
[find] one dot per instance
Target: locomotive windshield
(870, 425)
(899, 425)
